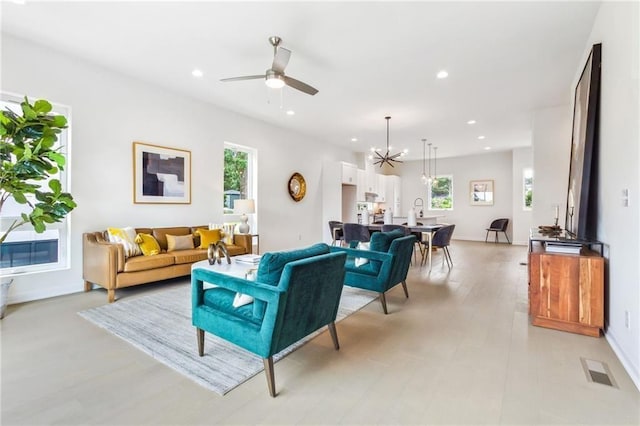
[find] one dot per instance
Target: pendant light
(435, 164)
(424, 159)
(386, 158)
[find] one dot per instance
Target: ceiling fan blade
(297, 84)
(246, 77)
(281, 59)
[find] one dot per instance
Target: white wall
(471, 221)
(110, 111)
(617, 28)
(551, 150)
(522, 219)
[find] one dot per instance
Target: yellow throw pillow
(179, 242)
(148, 244)
(208, 236)
(125, 236)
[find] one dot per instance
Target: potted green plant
(29, 157)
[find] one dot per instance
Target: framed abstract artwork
(481, 192)
(161, 175)
(581, 212)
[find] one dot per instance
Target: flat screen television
(582, 193)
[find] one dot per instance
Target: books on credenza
(564, 247)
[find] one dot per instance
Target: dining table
(421, 232)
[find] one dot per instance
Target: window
(527, 189)
(24, 250)
(239, 174)
(441, 194)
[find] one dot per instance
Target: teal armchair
(295, 293)
(387, 263)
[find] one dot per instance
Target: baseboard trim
(626, 363)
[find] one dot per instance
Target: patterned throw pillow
(148, 244)
(208, 236)
(228, 229)
(127, 237)
(179, 242)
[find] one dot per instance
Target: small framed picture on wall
(481, 192)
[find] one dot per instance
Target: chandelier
(386, 158)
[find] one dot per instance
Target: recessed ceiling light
(197, 73)
(481, 137)
(291, 112)
(406, 150)
(354, 139)
(471, 122)
(442, 74)
(487, 148)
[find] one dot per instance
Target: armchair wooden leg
(111, 295)
(200, 334)
(88, 286)
(334, 335)
(268, 370)
(486, 237)
(383, 300)
(404, 287)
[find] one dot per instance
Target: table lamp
(244, 207)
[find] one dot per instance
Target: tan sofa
(104, 262)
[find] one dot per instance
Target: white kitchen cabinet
(362, 183)
(381, 188)
(349, 174)
(394, 194)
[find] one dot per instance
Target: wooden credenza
(566, 291)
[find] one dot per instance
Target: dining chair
(356, 232)
(441, 239)
(498, 225)
(335, 226)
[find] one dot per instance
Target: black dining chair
(355, 232)
(335, 226)
(498, 225)
(442, 239)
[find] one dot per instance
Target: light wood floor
(460, 350)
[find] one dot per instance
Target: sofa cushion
(188, 256)
(160, 234)
(179, 242)
(126, 237)
(148, 244)
(208, 236)
(222, 299)
(235, 250)
(144, 263)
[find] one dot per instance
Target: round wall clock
(297, 187)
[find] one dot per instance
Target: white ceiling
(368, 60)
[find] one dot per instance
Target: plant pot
(5, 283)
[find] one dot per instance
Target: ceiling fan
(274, 76)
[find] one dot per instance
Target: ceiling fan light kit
(386, 158)
(275, 77)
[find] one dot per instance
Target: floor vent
(598, 372)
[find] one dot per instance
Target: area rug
(160, 325)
